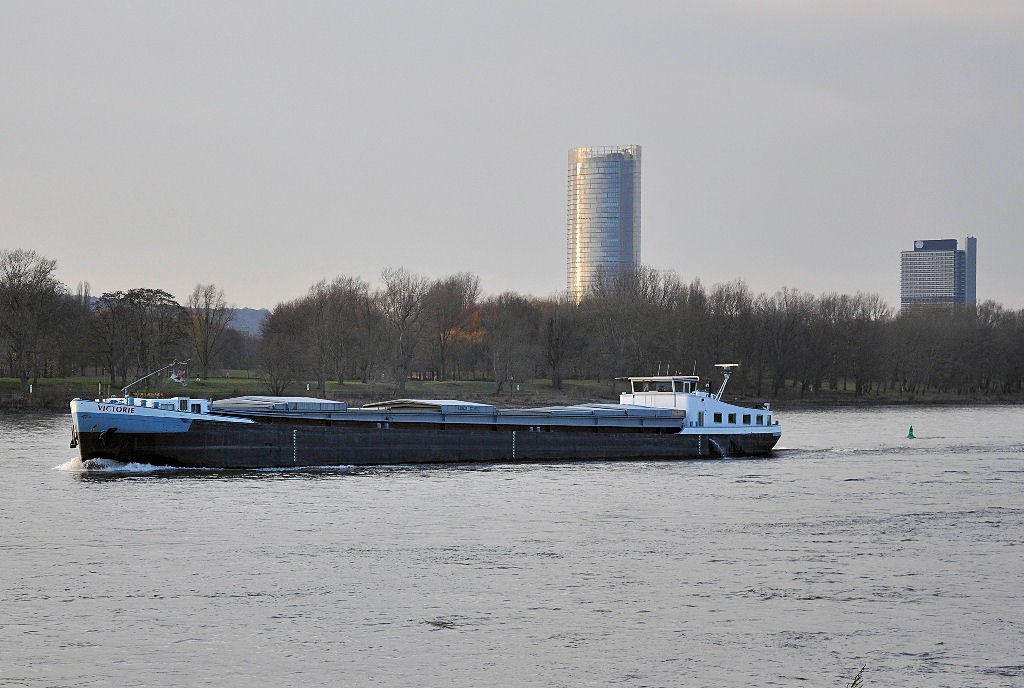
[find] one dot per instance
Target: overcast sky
(263, 146)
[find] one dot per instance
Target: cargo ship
(659, 417)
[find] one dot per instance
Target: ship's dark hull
(270, 445)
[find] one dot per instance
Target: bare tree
(332, 320)
(865, 341)
(284, 347)
(156, 325)
(450, 305)
(76, 327)
(31, 298)
(782, 322)
(347, 297)
(137, 331)
(1011, 367)
(625, 313)
(208, 317)
(108, 335)
(560, 335)
(370, 346)
(510, 336)
(402, 301)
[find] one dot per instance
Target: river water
(853, 546)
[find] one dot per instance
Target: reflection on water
(851, 546)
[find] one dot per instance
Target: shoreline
(811, 404)
(49, 403)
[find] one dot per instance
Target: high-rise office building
(971, 270)
(603, 214)
(937, 272)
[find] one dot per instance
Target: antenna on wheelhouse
(727, 371)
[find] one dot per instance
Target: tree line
(47, 331)
(641, 321)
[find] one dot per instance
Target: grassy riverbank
(55, 393)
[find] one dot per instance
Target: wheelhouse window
(671, 386)
(746, 419)
(732, 418)
(718, 417)
(640, 386)
(760, 419)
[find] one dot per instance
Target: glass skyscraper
(937, 272)
(603, 214)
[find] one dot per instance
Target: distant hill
(248, 319)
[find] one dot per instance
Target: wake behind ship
(661, 417)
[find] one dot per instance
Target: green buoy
(910, 433)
